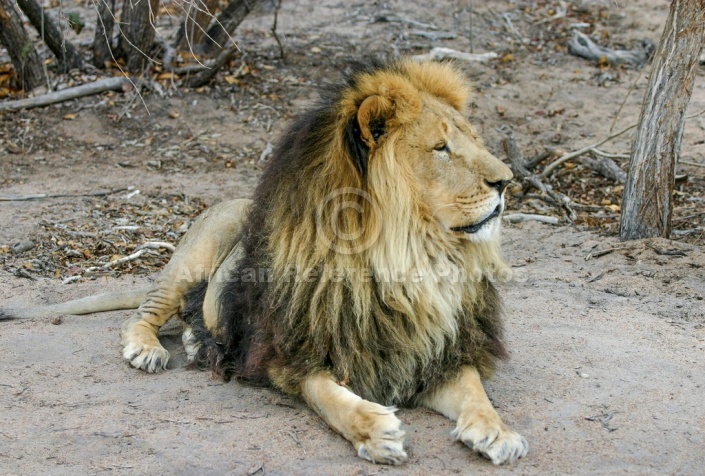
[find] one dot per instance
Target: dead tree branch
(606, 167)
(96, 87)
(212, 69)
(581, 45)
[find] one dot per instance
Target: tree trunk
(138, 33)
(219, 34)
(67, 54)
(647, 203)
(193, 28)
(103, 40)
(19, 46)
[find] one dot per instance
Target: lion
(361, 277)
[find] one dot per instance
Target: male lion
(361, 275)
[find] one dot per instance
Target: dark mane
(267, 325)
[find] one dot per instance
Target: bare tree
(201, 33)
(194, 26)
(226, 23)
(138, 33)
(647, 204)
(19, 46)
(67, 54)
(102, 42)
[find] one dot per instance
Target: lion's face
(413, 115)
(459, 180)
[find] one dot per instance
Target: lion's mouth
(475, 227)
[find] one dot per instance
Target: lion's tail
(87, 305)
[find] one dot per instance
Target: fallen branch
(519, 167)
(522, 217)
(438, 54)
(581, 45)
(434, 35)
(22, 198)
(528, 179)
(605, 167)
(96, 87)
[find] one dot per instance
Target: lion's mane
(334, 216)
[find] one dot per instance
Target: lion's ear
(372, 116)
(365, 129)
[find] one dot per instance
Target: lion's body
(361, 274)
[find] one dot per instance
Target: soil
(607, 339)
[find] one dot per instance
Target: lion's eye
(442, 147)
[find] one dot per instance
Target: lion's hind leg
(464, 400)
(373, 429)
(141, 346)
(196, 260)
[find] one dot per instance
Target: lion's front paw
(151, 358)
(492, 439)
(379, 437)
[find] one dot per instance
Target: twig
(96, 87)
(597, 254)
(693, 164)
(438, 54)
(550, 167)
(597, 151)
(22, 198)
(274, 29)
(664, 252)
(512, 28)
(522, 217)
(531, 163)
(434, 35)
(155, 245)
(112, 264)
(393, 19)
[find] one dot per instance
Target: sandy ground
(607, 350)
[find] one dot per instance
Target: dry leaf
(167, 75)
(71, 116)
(506, 58)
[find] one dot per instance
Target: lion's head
(411, 122)
(378, 216)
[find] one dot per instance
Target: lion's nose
(499, 185)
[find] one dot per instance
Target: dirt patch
(607, 339)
